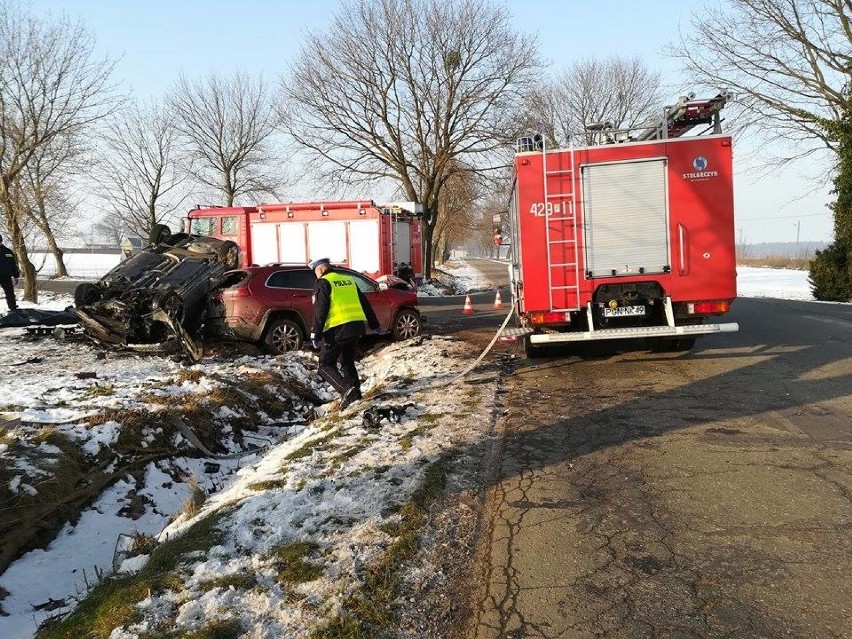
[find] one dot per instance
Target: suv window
(300, 278)
(363, 284)
(203, 226)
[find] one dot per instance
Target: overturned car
(158, 292)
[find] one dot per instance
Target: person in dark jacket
(9, 274)
(340, 312)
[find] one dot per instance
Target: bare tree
(51, 85)
(787, 62)
(438, 84)
(43, 189)
(229, 125)
(109, 229)
(456, 212)
(621, 92)
(137, 174)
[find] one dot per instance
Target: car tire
(86, 294)
(177, 238)
(229, 254)
(160, 234)
(406, 325)
(283, 335)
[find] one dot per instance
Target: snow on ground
(83, 265)
(780, 283)
(339, 485)
(457, 277)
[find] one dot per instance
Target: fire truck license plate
(624, 311)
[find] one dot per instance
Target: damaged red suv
(272, 305)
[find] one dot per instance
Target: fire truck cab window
(301, 279)
(203, 226)
(229, 225)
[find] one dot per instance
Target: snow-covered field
(332, 486)
(79, 265)
(785, 284)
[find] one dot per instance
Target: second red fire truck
(630, 237)
(361, 235)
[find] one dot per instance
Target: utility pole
(740, 242)
(798, 224)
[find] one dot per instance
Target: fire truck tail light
(542, 317)
(705, 308)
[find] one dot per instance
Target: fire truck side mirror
(538, 142)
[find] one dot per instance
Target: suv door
(292, 289)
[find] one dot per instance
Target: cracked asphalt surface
(696, 495)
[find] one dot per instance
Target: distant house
(129, 245)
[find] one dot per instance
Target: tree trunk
(58, 254)
(19, 246)
(427, 256)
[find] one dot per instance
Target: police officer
(340, 311)
(9, 274)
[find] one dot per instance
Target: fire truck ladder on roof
(555, 210)
(687, 114)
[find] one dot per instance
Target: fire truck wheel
(683, 344)
(673, 345)
(533, 352)
(406, 325)
(87, 293)
(283, 335)
(160, 234)
(229, 254)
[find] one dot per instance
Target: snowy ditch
(277, 535)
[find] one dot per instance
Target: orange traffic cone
(468, 306)
(498, 301)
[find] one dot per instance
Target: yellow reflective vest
(345, 306)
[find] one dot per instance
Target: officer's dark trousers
(9, 291)
(343, 352)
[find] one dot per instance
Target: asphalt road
(701, 494)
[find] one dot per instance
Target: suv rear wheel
(229, 254)
(283, 335)
(406, 325)
(87, 293)
(160, 234)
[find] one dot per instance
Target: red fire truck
(631, 237)
(361, 235)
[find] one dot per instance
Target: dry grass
(196, 499)
(775, 262)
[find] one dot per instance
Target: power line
(779, 217)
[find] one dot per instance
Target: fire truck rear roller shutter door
(626, 213)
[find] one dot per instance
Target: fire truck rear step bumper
(628, 333)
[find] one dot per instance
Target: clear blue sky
(158, 39)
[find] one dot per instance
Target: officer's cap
(319, 262)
